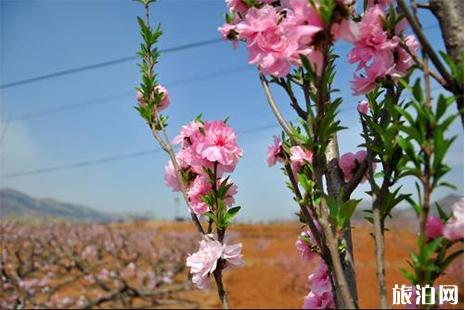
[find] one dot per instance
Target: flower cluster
(275, 152)
(209, 147)
(349, 162)
(321, 294)
(452, 230)
(278, 32)
(305, 244)
(298, 155)
(205, 260)
(380, 53)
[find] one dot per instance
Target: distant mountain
(18, 204)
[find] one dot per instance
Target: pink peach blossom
(378, 53)
(232, 254)
(372, 39)
(229, 197)
(140, 97)
(361, 155)
(204, 261)
(382, 66)
(346, 30)
(189, 158)
(268, 47)
(347, 165)
(165, 99)
(171, 178)
(218, 144)
(274, 44)
(187, 131)
(303, 21)
(434, 227)
(227, 30)
(275, 152)
(363, 107)
(197, 190)
(186, 159)
(320, 295)
(404, 60)
(303, 246)
(237, 6)
(453, 230)
(299, 157)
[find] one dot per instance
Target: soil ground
(274, 276)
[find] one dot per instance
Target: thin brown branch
(377, 222)
(449, 14)
(274, 107)
(424, 62)
(418, 62)
(307, 217)
(294, 103)
(425, 44)
(333, 261)
(166, 146)
(165, 143)
(339, 274)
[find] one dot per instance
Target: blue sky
(41, 37)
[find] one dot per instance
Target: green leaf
(231, 213)
(451, 258)
(431, 247)
(348, 209)
(442, 215)
(211, 216)
(410, 277)
(418, 91)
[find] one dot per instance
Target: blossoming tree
(208, 151)
(405, 134)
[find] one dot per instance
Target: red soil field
(274, 276)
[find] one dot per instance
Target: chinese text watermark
(424, 295)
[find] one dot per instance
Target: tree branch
(294, 103)
(425, 44)
(269, 97)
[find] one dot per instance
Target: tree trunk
(450, 16)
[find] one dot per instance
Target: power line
(136, 154)
(111, 158)
(120, 157)
(109, 98)
(121, 60)
(104, 64)
(67, 107)
(81, 164)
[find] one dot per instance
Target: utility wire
(81, 164)
(125, 59)
(109, 98)
(135, 154)
(120, 157)
(109, 159)
(68, 107)
(104, 64)
(128, 93)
